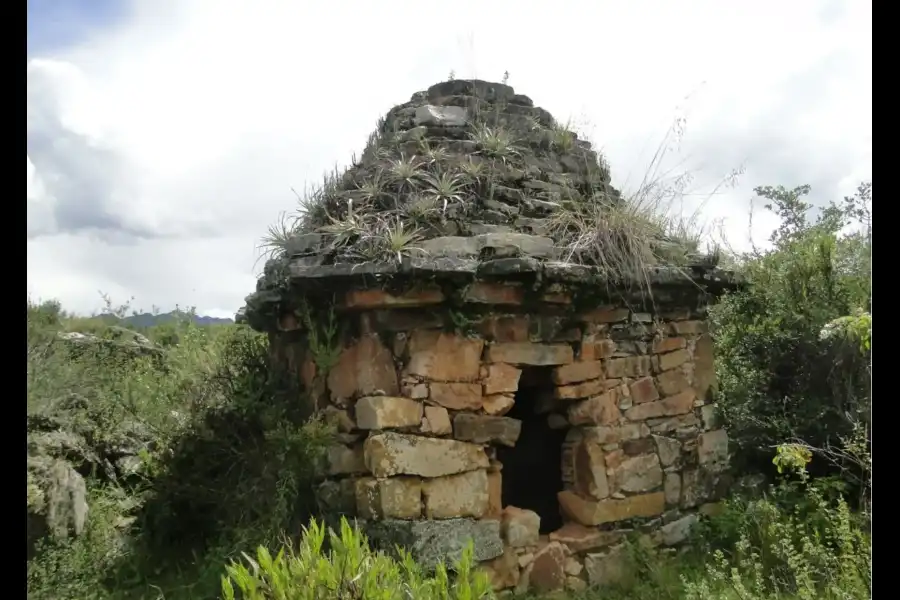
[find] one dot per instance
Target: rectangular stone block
(670, 344)
(375, 298)
(457, 396)
(441, 356)
(443, 540)
(670, 360)
(672, 382)
(386, 412)
(463, 495)
(580, 390)
(394, 498)
(530, 354)
(501, 378)
(577, 372)
(673, 405)
(629, 366)
(598, 512)
(388, 454)
(485, 429)
(594, 348)
(520, 527)
(599, 410)
(643, 390)
(344, 460)
(482, 292)
(712, 448)
(363, 368)
(436, 421)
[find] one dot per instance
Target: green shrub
(780, 379)
(792, 543)
(348, 570)
(226, 462)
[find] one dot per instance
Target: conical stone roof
(467, 179)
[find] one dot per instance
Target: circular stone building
(514, 355)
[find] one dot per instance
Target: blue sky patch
(54, 25)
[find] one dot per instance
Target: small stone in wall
(483, 429)
(599, 410)
(672, 489)
(364, 368)
(501, 378)
(495, 493)
(505, 329)
(638, 474)
(708, 416)
(704, 367)
(712, 448)
(672, 382)
(520, 527)
(394, 498)
(643, 390)
(498, 404)
(671, 360)
(631, 366)
(344, 460)
(415, 390)
(463, 495)
(580, 390)
(673, 405)
(339, 419)
(436, 421)
(577, 372)
(697, 487)
(457, 396)
(548, 572)
(638, 446)
(595, 348)
(676, 424)
(337, 497)
(386, 412)
(441, 356)
(590, 470)
(668, 449)
(662, 345)
(482, 292)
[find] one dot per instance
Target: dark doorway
(532, 470)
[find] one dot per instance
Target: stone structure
(492, 379)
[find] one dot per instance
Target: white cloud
(160, 151)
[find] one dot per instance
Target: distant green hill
(149, 320)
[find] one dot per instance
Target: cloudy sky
(164, 136)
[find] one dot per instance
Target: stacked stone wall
(419, 394)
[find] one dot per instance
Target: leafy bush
(348, 570)
(780, 379)
(793, 543)
(225, 462)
